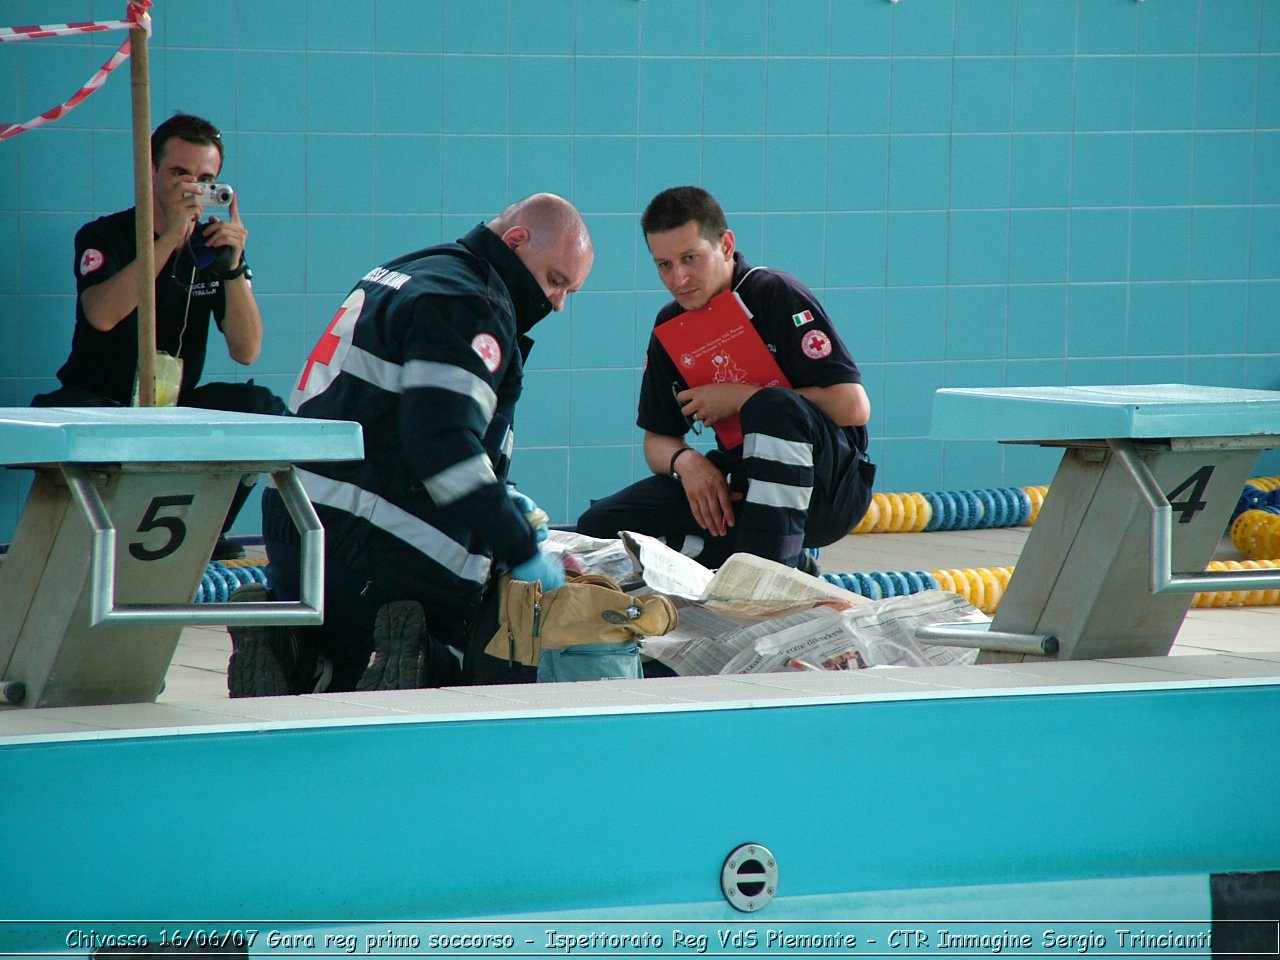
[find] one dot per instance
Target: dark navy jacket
(427, 353)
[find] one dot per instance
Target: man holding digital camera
(201, 274)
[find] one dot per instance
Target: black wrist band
(242, 270)
(671, 468)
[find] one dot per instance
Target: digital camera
(216, 195)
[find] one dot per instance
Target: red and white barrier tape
(137, 18)
(61, 30)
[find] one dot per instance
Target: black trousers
(245, 397)
(351, 604)
(805, 485)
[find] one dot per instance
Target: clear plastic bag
(168, 380)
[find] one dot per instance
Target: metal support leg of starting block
(980, 636)
(102, 571)
(103, 568)
(1096, 570)
(1149, 477)
(1163, 579)
(1096, 578)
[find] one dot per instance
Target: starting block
(124, 511)
(1148, 480)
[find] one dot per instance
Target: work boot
(270, 661)
(226, 549)
(399, 644)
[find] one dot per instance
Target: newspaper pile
(757, 616)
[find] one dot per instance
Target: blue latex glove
(536, 516)
(522, 500)
(548, 570)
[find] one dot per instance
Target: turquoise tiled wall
(983, 192)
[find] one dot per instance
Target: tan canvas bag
(587, 609)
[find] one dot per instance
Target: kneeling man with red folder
(751, 353)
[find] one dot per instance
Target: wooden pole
(139, 68)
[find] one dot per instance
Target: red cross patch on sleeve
(816, 345)
(90, 261)
(488, 350)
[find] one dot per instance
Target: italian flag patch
(800, 319)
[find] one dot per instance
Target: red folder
(719, 344)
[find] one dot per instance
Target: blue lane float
(951, 510)
(878, 585)
(220, 580)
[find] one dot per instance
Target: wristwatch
(671, 468)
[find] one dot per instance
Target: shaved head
(543, 213)
(549, 235)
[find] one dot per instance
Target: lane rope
(1254, 531)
